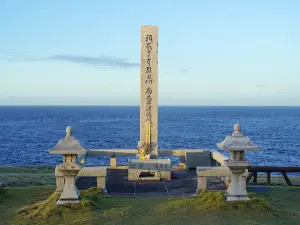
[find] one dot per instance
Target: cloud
(259, 85)
(104, 61)
(183, 70)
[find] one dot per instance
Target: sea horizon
(27, 132)
(256, 106)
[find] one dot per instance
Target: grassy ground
(17, 176)
(277, 206)
(21, 204)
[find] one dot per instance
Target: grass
(17, 176)
(49, 212)
(36, 205)
(33, 202)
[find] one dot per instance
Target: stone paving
(183, 183)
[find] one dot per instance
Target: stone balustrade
(203, 172)
(219, 158)
(185, 155)
(98, 171)
(221, 170)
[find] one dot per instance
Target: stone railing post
(113, 161)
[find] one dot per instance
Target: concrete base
(237, 198)
(134, 175)
(160, 167)
(62, 202)
(70, 190)
(237, 188)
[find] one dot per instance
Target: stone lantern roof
(68, 145)
(237, 142)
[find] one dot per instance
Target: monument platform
(160, 167)
(182, 183)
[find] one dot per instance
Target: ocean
(28, 132)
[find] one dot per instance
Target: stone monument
(70, 149)
(148, 145)
(149, 87)
(237, 144)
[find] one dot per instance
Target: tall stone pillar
(149, 86)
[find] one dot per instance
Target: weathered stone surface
(194, 159)
(149, 86)
(60, 183)
(161, 168)
(218, 157)
(213, 171)
(112, 152)
(134, 152)
(204, 172)
(113, 161)
(237, 142)
(68, 145)
(94, 171)
(66, 172)
(70, 193)
(150, 164)
(100, 172)
(201, 183)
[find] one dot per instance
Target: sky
(211, 52)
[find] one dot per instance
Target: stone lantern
(70, 148)
(236, 145)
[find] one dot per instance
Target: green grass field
(35, 204)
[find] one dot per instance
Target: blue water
(27, 133)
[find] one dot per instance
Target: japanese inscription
(148, 79)
(160, 165)
(149, 85)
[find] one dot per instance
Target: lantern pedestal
(70, 192)
(237, 189)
